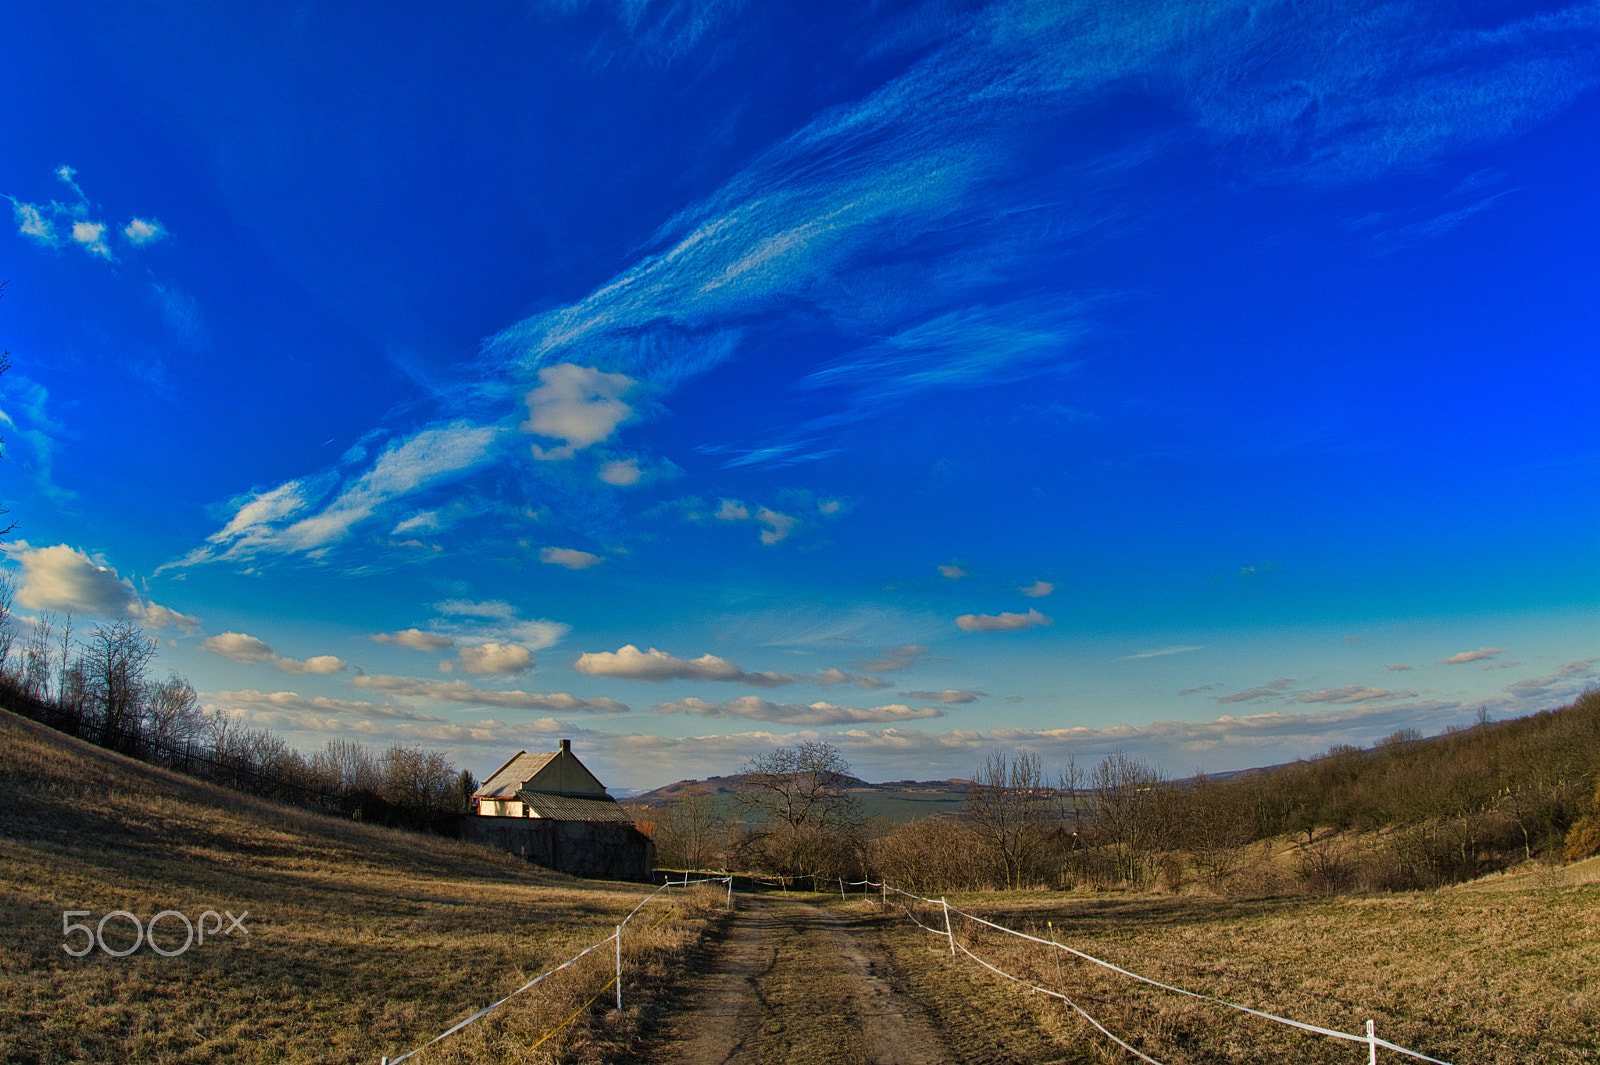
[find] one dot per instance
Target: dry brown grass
(362, 941)
(1471, 975)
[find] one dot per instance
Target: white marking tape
(1330, 1032)
(1063, 998)
(508, 998)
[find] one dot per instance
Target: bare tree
(8, 595)
(36, 658)
(807, 819)
(1133, 820)
(1010, 812)
(116, 660)
(689, 830)
(172, 713)
(800, 786)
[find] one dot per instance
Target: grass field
(1503, 972)
(362, 941)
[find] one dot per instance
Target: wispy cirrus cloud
(756, 708)
(460, 691)
(1162, 652)
(949, 696)
(295, 703)
(1481, 654)
(311, 515)
(845, 213)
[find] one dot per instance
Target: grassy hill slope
(362, 941)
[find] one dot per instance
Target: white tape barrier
(489, 1009)
(1329, 1032)
(617, 936)
(1054, 994)
(1370, 1039)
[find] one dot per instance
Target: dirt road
(796, 982)
(791, 984)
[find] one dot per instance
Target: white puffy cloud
(295, 703)
(142, 231)
(65, 578)
(630, 663)
(415, 639)
(756, 708)
(578, 405)
(460, 691)
(240, 647)
(32, 223)
(1037, 590)
(829, 677)
(1472, 656)
(569, 557)
(778, 525)
(622, 473)
(500, 659)
(1006, 622)
(91, 237)
(953, 571)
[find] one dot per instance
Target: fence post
(619, 968)
(730, 891)
(948, 934)
(841, 889)
(884, 884)
(1372, 1043)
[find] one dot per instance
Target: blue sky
(1210, 381)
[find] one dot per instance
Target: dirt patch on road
(798, 982)
(790, 983)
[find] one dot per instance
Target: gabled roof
(504, 782)
(554, 773)
(573, 808)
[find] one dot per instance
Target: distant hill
(897, 800)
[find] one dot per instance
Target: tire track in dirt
(791, 983)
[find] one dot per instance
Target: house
(551, 810)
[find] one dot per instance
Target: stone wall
(601, 850)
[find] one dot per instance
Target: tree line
(1407, 813)
(99, 685)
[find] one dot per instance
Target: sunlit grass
(362, 941)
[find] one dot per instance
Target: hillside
(357, 941)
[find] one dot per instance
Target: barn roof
(573, 808)
(504, 782)
(553, 773)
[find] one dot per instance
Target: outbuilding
(552, 810)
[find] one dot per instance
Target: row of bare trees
(98, 686)
(1407, 813)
